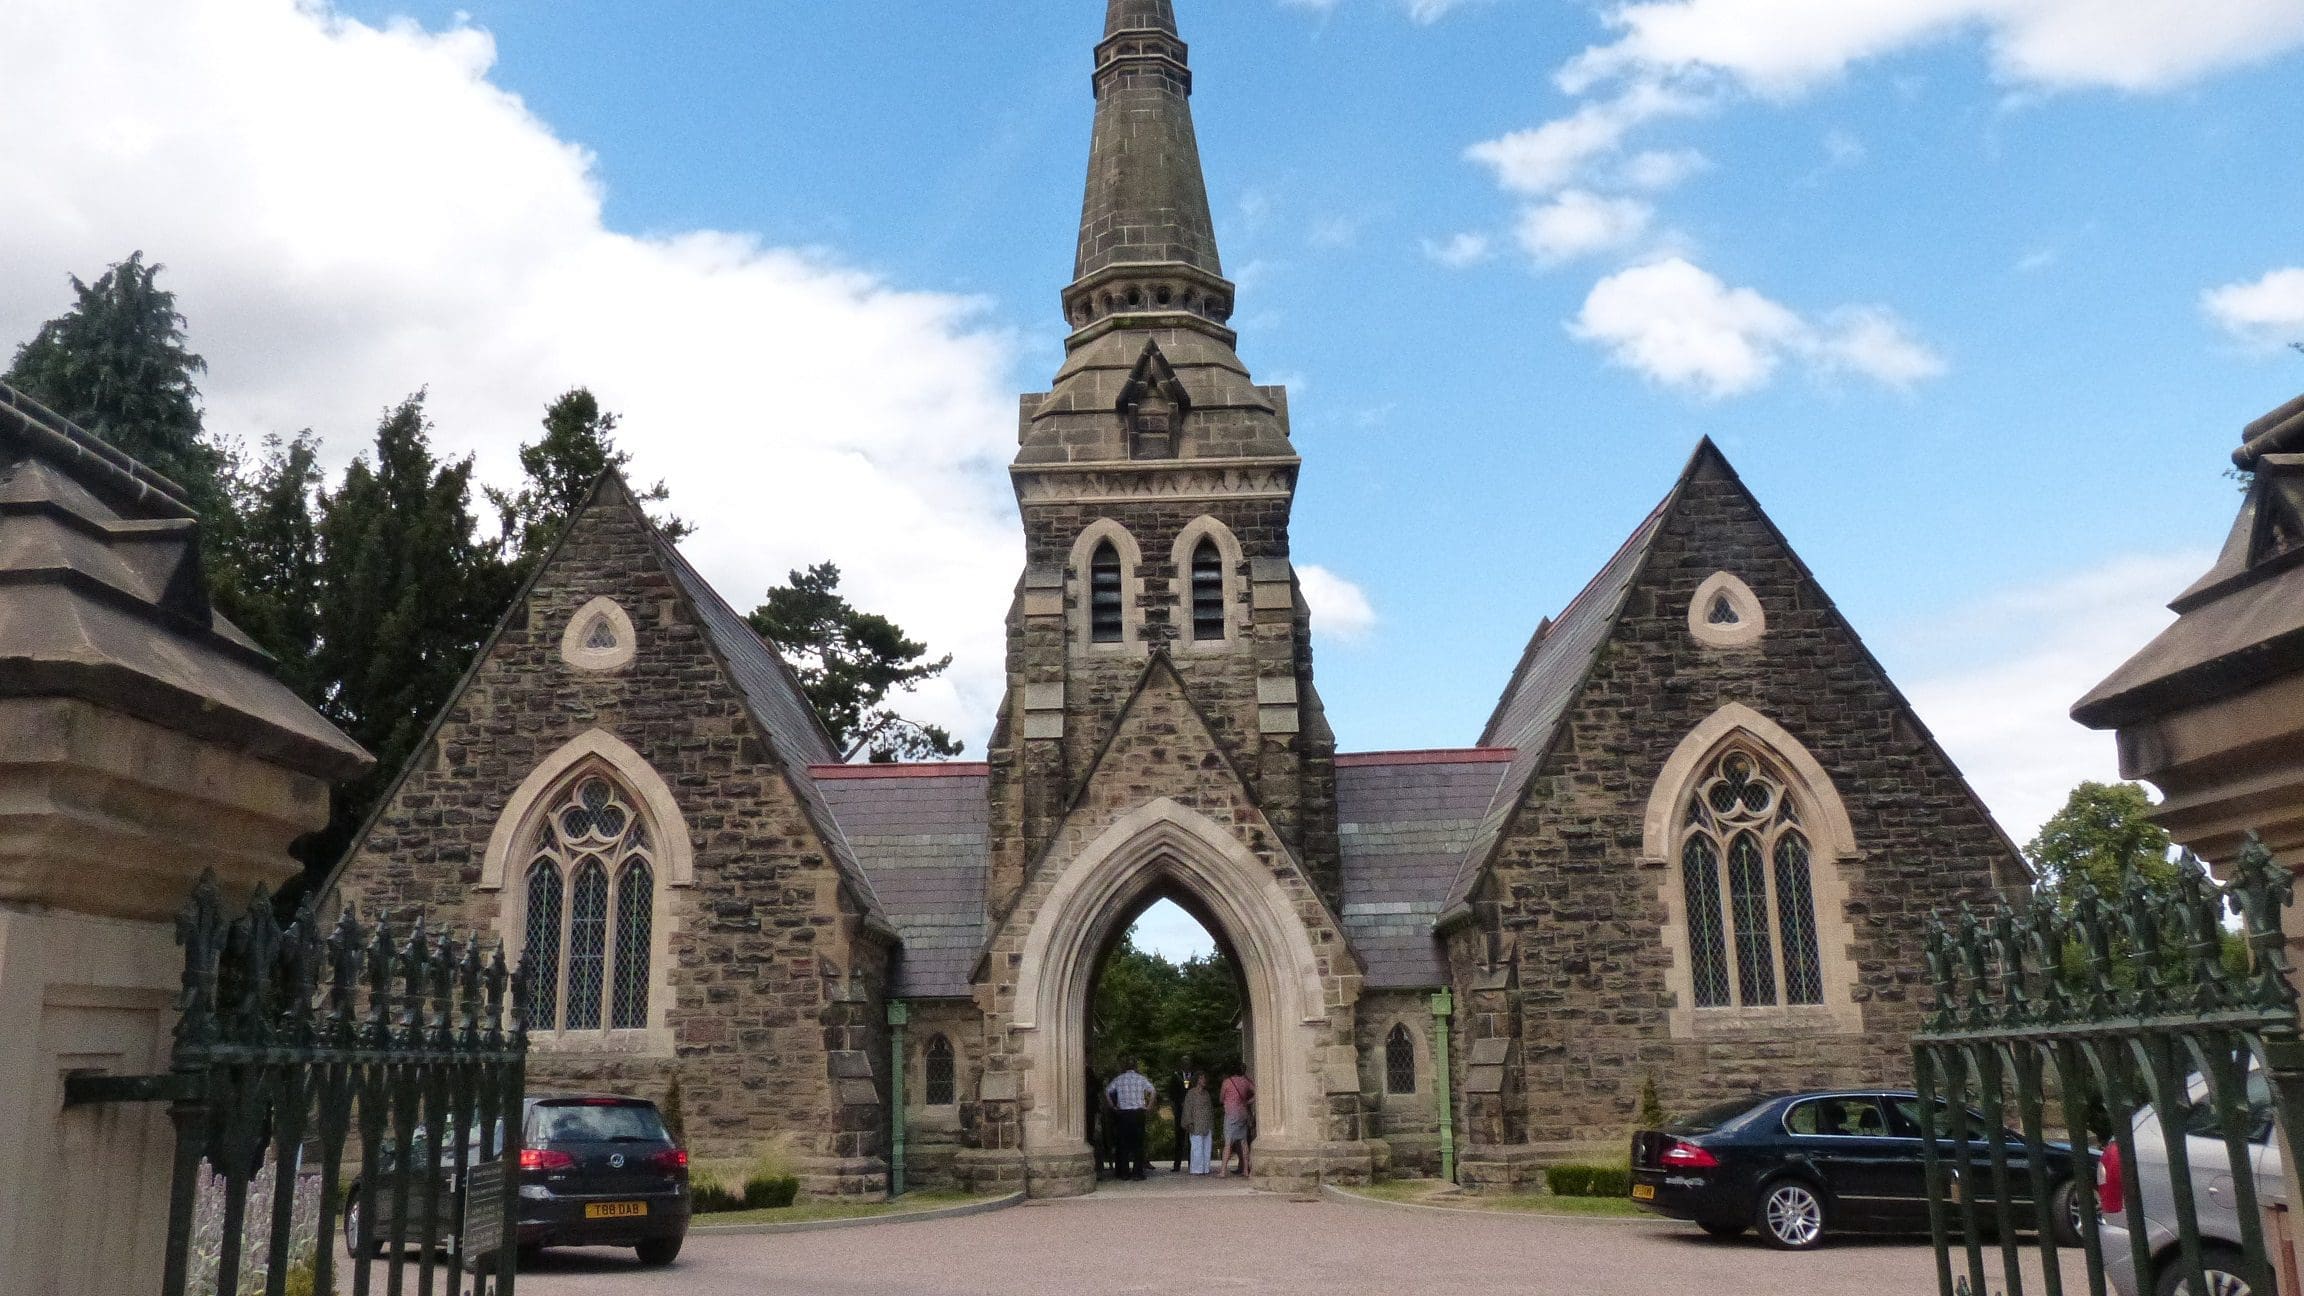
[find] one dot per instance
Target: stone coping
(892, 1217)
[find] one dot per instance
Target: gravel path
(1165, 1243)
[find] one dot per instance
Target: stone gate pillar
(142, 741)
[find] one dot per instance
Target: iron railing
(297, 1043)
(2160, 1023)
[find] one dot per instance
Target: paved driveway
(1165, 1244)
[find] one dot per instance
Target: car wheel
(660, 1251)
(2064, 1207)
(352, 1212)
(1790, 1216)
(525, 1255)
(1723, 1230)
(2226, 1271)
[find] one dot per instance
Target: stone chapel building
(1692, 844)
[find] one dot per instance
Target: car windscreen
(598, 1123)
(1719, 1116)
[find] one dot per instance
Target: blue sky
(1940, 276)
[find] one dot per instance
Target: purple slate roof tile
(919, 832)
(1404, 821)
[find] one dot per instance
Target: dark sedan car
(595, 1170)
(1796, 1167)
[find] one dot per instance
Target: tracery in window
(1751, 925)
(1399, 1061)
(588, 958)
(1107, 614)
(1207, 590)
(602, 636)
(937, 1089)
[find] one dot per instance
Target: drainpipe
(1444, 1083)
(899, 1013)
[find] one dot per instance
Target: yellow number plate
(1643, 1192)
(614, 1210)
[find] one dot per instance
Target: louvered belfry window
(591, 907)
(938, 1089)
(1106, 613)
(1399, 1061)
(1745, 877)
(1207, 590)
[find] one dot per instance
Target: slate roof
(919, 831)
(1550, 675)
(106, 601)
(1404, 822)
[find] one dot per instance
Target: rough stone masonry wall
(1407, 1123)
(1572, 902)
(1162, 750)
(761, 947)
(934, 1135)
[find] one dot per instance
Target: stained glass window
(1106, 613)
(589, 922)
(938, 1089)
(1207, 591)
(1399, 1061)
(1745, 873)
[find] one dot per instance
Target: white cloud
(1332, 232)
(1783, 47)
(1659, 169)
(1551, 156)
(2027, 656)
(1458, 251)
(1679, 325)
(350, 212)
(2266, 312)
(1340, 609)
(1580, 223)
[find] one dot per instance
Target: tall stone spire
(1147, 245)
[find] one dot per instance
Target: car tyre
(1790, 1216)
(525, 1255)
(2064, 1207)
(1723, 1229)
(352, 1212)
(660, 1251)
(2227, 1273)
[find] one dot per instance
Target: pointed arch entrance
(1164, 849)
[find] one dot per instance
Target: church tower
(1155, 479)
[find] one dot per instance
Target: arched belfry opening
(1166, 851)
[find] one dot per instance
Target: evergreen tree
(848, 662)
(578, 445)
(411, 590)
(2104, 833)
(266, 576)
(116, 364)
(1149, 1009)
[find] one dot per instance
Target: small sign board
(483, 1234)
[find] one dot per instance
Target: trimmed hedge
(1588, 1180)
(710, 1199)
(769, 1192)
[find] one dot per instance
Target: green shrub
(707, 1197)
(1588, 1180)
(770, 1192)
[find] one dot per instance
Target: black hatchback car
(595, 1170)
(1797, 1167)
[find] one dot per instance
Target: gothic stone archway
(1300, 984)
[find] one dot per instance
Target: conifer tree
(578, 445)
(116, 363)
(266, 575)
(849, 661)
(411, 590)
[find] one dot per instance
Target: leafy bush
(707, 1196)
(1588, 1180)
(769, 1192)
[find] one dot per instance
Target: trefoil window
(590, 912)
(1399, 1061)
(1207, 590)
(1746, 879)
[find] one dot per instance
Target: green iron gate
(2153, 1031)
(299, 1044)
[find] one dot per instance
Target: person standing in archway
(1196, 1119)
(1180, 1084)
(1239, 1117)
(1131, 1094)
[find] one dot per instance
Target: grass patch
(1431, 1192)
(811, 1210)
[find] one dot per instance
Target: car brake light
(1688, 1156)
(545, 1159)
(671, 1159)
(2111, 1185)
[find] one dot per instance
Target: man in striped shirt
(1132, 1096)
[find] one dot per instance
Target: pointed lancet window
(589, 924)
(1207, 590)
(1107, 614)
(938, 1087)
(1399, 1061)
(1752, 938)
